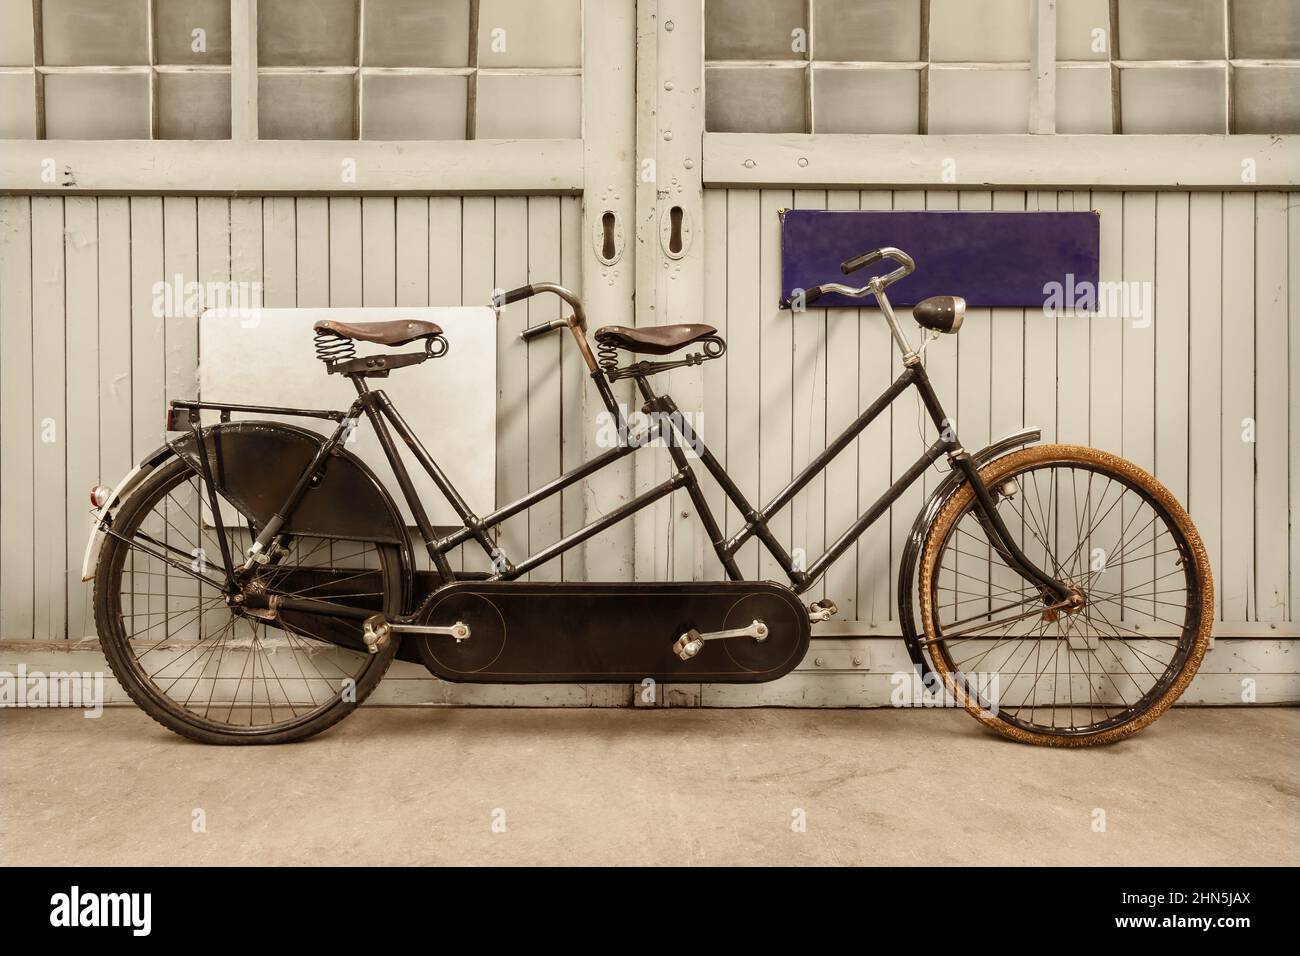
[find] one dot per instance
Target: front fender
(916, 538)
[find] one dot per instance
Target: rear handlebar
(528, 291)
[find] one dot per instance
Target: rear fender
(256, 464)
(916, 538)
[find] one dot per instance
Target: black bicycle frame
(383, 416)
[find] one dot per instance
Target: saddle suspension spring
(332, 347)
(607, 356)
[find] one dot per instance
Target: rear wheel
(1114, 657)
(209, 669)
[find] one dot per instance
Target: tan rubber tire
(994, 473)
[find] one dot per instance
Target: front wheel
(1114, 657)
(204, 666)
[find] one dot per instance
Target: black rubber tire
(113, 640)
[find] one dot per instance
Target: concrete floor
(421, 786)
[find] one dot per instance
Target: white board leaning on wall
(268, 357)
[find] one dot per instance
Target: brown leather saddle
(654, 339)
(397, 332)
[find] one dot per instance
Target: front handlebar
(875, 255)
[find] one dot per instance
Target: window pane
(413, 107)
(529, 33)
(1082, 25)
(1266, 99)
(761, 100)
(16, 33)
(305, 106)
(97, 106)
(306, 32)
(1171, 29)
(528, 107)
(866, 101)
(194, 106)
(95, 32)
(979, 101)
(18, 118)
(176, 22)
(753, 29)
(1083, 100)
(416, 33)
(979, 30)
(1266, 29)
(881, 30)
(1173, 100)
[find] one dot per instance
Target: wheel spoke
(1075, 668)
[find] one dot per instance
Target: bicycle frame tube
(667, 424)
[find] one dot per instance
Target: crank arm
(377, 632)
(692, 642)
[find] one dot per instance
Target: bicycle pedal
(376, 632)
(822, 610)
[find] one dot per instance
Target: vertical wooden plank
(910, 432)
(1138, 379)
(214, 250)
(412, 251)
(679, 282)
(183, 510)
(808, 418)
(148, 360)
(1293, 418)
(743, 384)
(246, 228)
(1237, 573)
(1171, 341)
(1040, 350)
(543, 381)
(478, 267)
(941, 359)
(81, 431)
(1072, 348)
(444, 250)
(312, 269)
(845, 329)
(974, 346)
(616, 54)
(280, 253)
(775, 346)
(114, 339)
(180, 260)
(1106, 361)
(1205, 373)
(17, 421)
(345, 252)
(378, 251)
(877, 356)
(574, 383)
(714, 424)
(445, 278)
(49, 412)
(214, 271)
(511, 242)
(1007, 342)
(1105, 396)
(412, 281)
(1273, 425)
